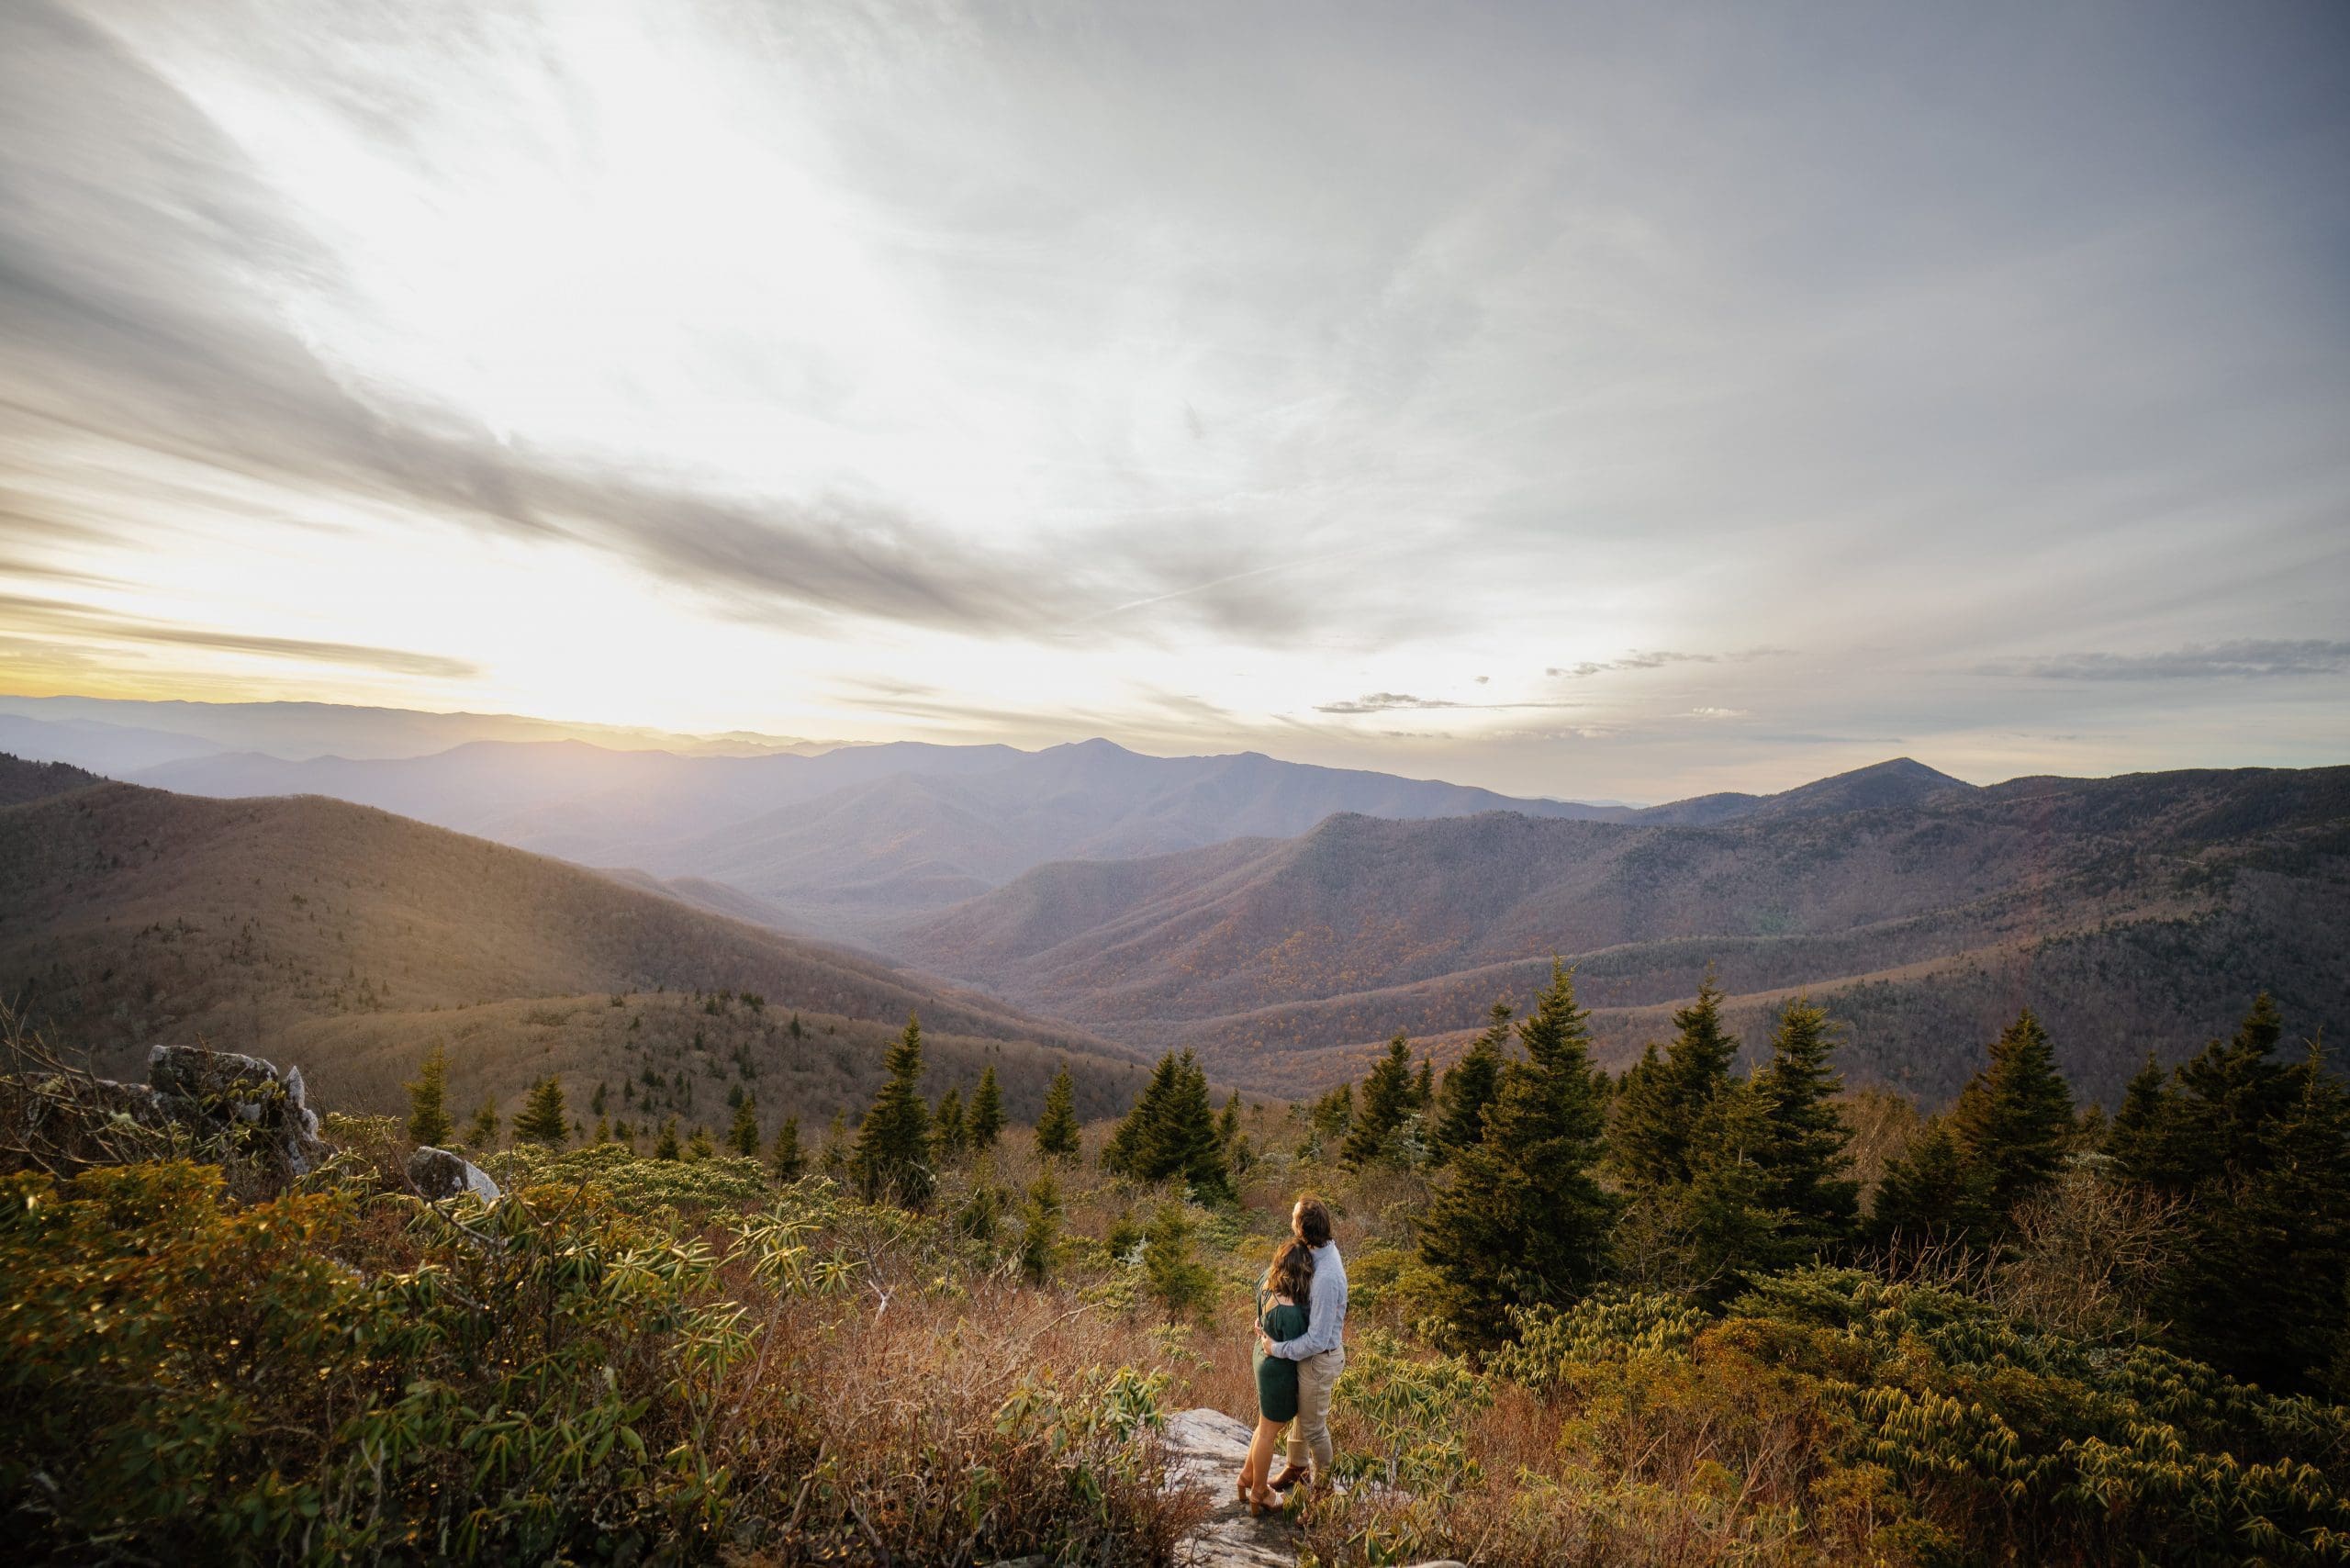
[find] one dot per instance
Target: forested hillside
(2134, 912)
(348, 939)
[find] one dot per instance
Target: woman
(1280, 1314)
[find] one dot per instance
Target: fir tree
(699, 1146)
(1387, 1102)
(836, 1150)
(543, 1119)
(1471, 1086)
(2136, 1139)
(1805, 1157)
(1728, 1209)
(987, 1111)
(1170, 1269)
(1663, 1098)
(1524, 1222)
(667, 1147)
(427, 1114)
(1170, 1133)
(1423, 1087)
(1330, 1118)
(742, 1135)
(784, 1160)
(481, 1133)
(1040, 1228)
(1227, 1126)
(1930, 1193)
(947, 1133)
(596, 1101)
(1057, 1129)
(892, 1158)
(2014, 1118)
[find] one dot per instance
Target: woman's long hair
(1291, 1273)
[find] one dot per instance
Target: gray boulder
(227, 1090)
(437, 1173)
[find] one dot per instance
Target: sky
(1598, 401)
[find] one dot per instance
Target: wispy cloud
(2249, 658)
(21, 614)
(1384, 702)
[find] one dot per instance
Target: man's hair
(1313, 1221)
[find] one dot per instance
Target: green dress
(1276, 1375)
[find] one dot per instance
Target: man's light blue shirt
(1326, 1308)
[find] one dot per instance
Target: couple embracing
(1301, 1350)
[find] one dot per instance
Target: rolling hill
(2136, 913)
(348, 940)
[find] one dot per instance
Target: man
(1320, 1352)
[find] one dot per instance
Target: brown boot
(1289, 1476)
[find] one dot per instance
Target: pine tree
(1807, 1154)
(1329, 1119)
(1471, 1086)
(785, 1160)
(603, 1134)
(1387, 1102)
(698, 1147)
(1524, 1222)
(667, 1147)
(834, 1154)
(428, 1114)
(2136, 1140)
(1173, 1273)
(987, 1111)
(1663, 1098)
(892, 1158)
(1057, 1129)
(947, 1134)
(1423, 1087)
(1227, 1126)
(543, 1119)
(481, 1133)
(1727, 1210)
(742, 1135)
(2014, 1118)
(596, 1101)
(1134, 1146)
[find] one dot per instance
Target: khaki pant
(1309, 1435)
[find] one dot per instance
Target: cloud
(1384, 702)
(1717, 712)
(46, 615)
(2251, 658)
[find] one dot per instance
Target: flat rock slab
(1206, 1449)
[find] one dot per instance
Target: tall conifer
(1524, 1222)
(1663, 1100)
(543, 1119)
(1387, 1102)
(987, 1111)
(892, 1156)
(1805, 1158)
(784, 1159)
(2014, 1118)
(1470, 1087)
(1057, 1129)
(947, 1133)
(742, 1135)
(427, 1111)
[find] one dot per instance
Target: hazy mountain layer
(2136, 913)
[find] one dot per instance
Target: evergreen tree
(2260, 1150)
(1387, 1102)
(1170, 1269)
(595, 1102)
(1663, 1098)
(667, 1147)
(1524, 1222)
(2014, 1118)
(1423, 1087)
(1471, 1086)
(1057, 1129)
(1330, 1118)
(742, 1135)
(892, 1158)
(2136, 1140)
(1170, 1133)
(1806, 1155)
(1729, 1209)
(784, 1160)
(481, 1133)
(947, 1133)
(699, 1146)
(1227, 1126)
(1040, 1228)
(987, 1111)
(543, 1119)
(427, 1114)
(603, 1134)
(1930, 1193)
(836, 1150)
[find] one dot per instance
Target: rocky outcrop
(196, 1102)
(437, 1173)
(1206, 1449)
